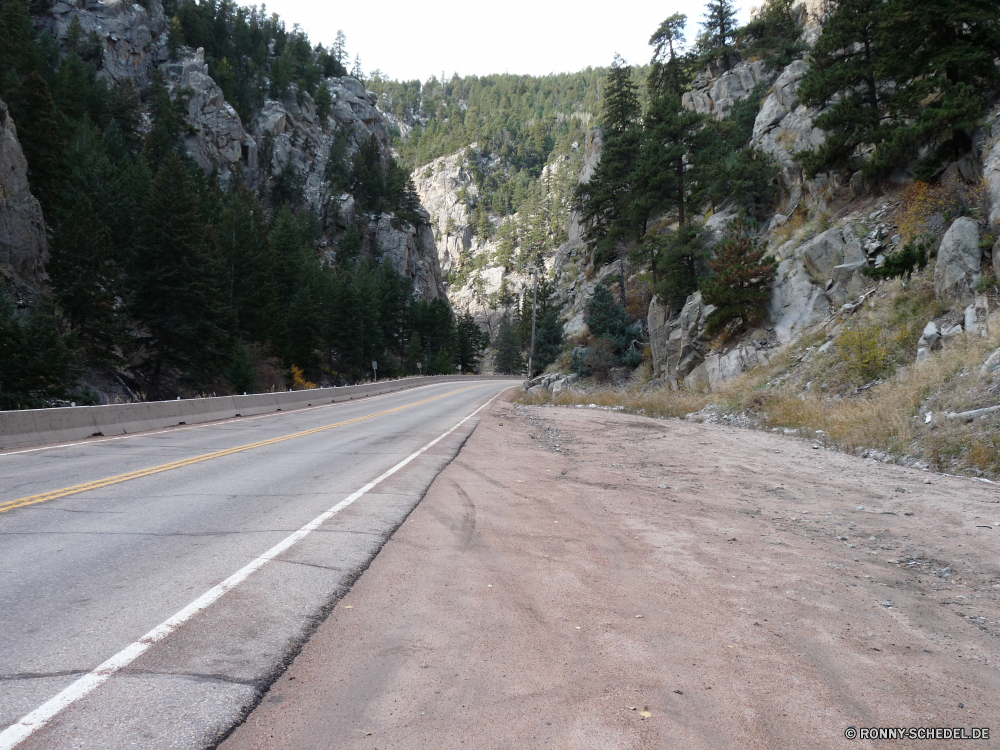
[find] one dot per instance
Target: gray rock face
(797, 303)
(134, 37)
(412, 253)
(784, 127)
(781, 101)
(678, 344)
(592, 149)
(23, 247)
(716, 95)
(438, 185)
(991, 170)
(956, 272)
(217, 141)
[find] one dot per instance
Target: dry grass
(823, 396)
(928, 208)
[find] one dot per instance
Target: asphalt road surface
(153, 586)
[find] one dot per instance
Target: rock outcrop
(715, 93)
(133, 35)
(956, 273)
(23, 246)
(678, 343)
(784, 127)
(412, 252)
(217, 140)
(282, 133)
(989, 148)
(439, 184)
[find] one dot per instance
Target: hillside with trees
(163, 281)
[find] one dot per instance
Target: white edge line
(32, 722)
(217, 423)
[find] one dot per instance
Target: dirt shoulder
(573, 568)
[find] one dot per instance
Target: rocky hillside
(283, 134)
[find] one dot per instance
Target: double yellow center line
(96, 485)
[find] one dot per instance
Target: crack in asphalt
(312, 565)
(200, 676)
(41, 675)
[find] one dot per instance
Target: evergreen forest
(169, 285)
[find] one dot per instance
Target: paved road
(90, 580)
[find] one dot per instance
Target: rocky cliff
(484, 275)
(282, 133)
(23, 248)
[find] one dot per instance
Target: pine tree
(39, 132)
(175, 37)
(472, 342)
(678, 260)
(178, 282)
(245, 242)
(241, 372)
(845, 67)
(340, 47)
(666, 68)
(606, 202)
(324, 103)
(940, 59)
(164, 136)
(740, 284)
(508, 357)
(718, 30)
(37, 362)
(671, 133)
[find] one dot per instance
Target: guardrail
(20, 429)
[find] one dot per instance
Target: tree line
(167, 283)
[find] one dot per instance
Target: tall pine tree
(178, 279)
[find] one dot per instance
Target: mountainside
(296, 185)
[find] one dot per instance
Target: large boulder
(956, 273)
(23, 247)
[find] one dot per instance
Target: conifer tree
(606, 201)
(845, 69)
(240, 372)
(37, 363)
(245, 242)
(164, 136)
(471, 341)
(666, 68)
(940, 59)
(740, 284)
(718, 30)
(178, 282)
(678, 261)
(508, 357)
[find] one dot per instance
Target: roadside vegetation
(864, 394)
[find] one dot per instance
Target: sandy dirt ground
(579, 578)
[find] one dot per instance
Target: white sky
(420, 38)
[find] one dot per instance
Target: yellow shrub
(299, 382)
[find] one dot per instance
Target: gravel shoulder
(579, 578)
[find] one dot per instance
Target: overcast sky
(421, 38)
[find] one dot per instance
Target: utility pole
(534, 315)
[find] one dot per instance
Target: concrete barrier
(255, 403)
(198, 410)
(21, 429)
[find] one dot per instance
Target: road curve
(153, 586)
